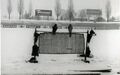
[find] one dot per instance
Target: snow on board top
(40, 30)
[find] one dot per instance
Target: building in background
(90, 14)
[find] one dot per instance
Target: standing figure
(88, 51)
(89, 37)
(90, 34)
(70, 27)
(35, 36)
(35, 52)
(54, 29)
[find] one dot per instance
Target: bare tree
(26, 15)
(83, 15)
(57, 8)
(70, 10)
(20, 8)
(9, 8)
(30, 9)
(108, 10)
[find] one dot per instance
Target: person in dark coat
(54, 29)
(36, 35)
(89, 35)
(35, 50)
(88, 51)
(70, 27)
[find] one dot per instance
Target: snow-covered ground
(16, 47)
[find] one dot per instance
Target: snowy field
(16, 47)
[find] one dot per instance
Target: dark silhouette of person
(70, 27)
(54, 29)
(89, 35)
(35, 52)
(36, 35)
(88, 51)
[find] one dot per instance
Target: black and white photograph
(60, 37)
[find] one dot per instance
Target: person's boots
(33, 60)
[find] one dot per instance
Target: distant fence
(61, 24)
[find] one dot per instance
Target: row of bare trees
(70, 10)
(58, 10)
(20, 8)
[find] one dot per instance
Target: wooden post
(86, 49)
(85, 60)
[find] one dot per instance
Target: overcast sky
(49, 4)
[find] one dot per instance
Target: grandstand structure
(61, 24)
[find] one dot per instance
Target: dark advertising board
(94, 12)
(39, 12)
